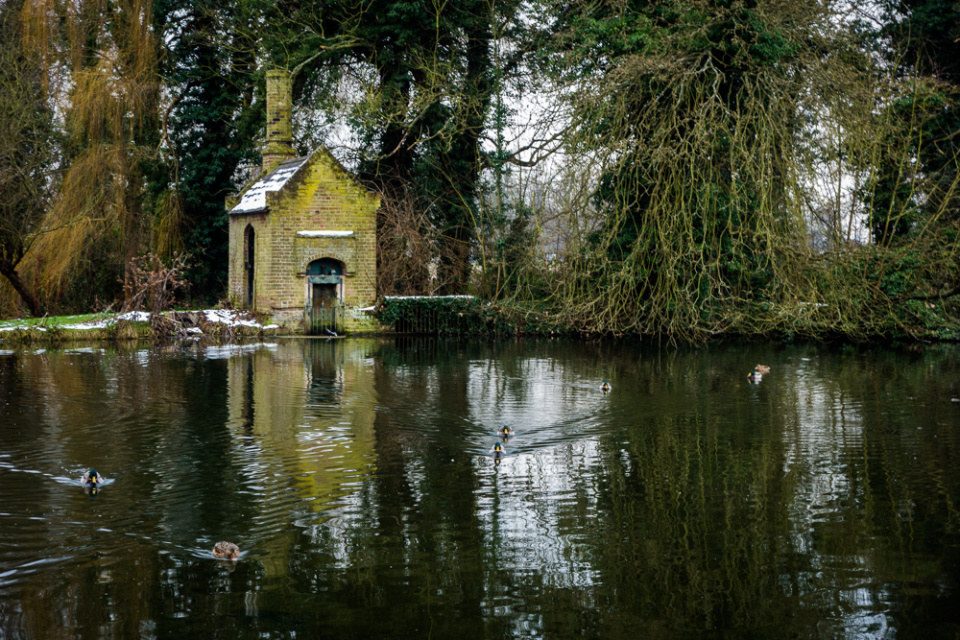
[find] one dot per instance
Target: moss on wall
(322, 196)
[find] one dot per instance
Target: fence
(431, 315)
(423, 320)
(324, 320)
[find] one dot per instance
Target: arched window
(249, 252)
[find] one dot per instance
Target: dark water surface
(357, 478)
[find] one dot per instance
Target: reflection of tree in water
(684, 520)
(687, 529)
(688, 507)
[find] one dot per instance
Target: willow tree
(100, 60)
(705, 123)
(925, 54)
(691, 109)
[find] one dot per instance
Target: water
(358, 479)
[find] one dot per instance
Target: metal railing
(420, 321)
(424, 316)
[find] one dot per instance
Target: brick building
(303, 235)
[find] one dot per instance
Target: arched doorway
(324, 294)
(249, 250)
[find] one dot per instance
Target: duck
(498, 450)
(762, 369)
(605, 387)
(505, 431)
(754, 376)
(226, 550)
(91, 479)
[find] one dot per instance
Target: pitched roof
(255, 198)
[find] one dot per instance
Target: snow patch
(422, 297)
(230, 318)
(325, 234)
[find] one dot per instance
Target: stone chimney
(278, 146)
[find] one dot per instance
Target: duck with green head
(91, 479)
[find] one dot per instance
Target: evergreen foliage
(212, 127)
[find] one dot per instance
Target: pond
(359, 480)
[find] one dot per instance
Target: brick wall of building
(279, 134)
(322, 196)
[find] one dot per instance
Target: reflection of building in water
(303, 438)
(324, 374)
(246, 410)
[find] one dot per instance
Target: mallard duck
(498, 450)
(226, 550)
(91, 479)
(505, 431)
(754, 376)
(605, 387)
(761, 369)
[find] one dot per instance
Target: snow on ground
(132, 316)
(230, 318)
(223, 316)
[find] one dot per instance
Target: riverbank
(440, 315)
(215, 323)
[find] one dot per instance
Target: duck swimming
(92, 479)
(498, 450)
(505, 431)
(605, 387)
(226, 551)
(761, 369)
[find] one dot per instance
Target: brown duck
(226, 550)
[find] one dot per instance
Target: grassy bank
(220, 324)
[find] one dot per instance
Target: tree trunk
(10, 273)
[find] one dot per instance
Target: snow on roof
(324, 234)
(255, 198)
